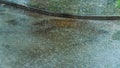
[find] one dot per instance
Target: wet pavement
(76, 7)
(30, 40)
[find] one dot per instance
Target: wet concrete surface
(76, 7)
(29, 40)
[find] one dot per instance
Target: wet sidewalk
(30, 40)
(76, 7)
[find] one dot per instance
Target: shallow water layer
(30, 40)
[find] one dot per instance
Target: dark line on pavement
(40, 11)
